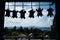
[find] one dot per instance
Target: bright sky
(43, 21)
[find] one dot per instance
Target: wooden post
(2, 8)
(58, 20)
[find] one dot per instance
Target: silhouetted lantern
(14, 14)
(31, 13)
(7, 12)
(39, 12)
(22, 13)
(50, 12)
(14, 11)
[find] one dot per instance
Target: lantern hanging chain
(39, 4)
(49, 5)
(31, 5)
(8, 5)
(22, 5)
(14, 5)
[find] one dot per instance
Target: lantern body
(22, 15)
(7, 12)
(39, 12)
(14, 14)
(50, 12)
(31, 13)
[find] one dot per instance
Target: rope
(49, 5)
(8, 5)
(22, 5)
(39, 4)
(14, 5)
(31, 5)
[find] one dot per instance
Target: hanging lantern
(7, 12)
(14, 11)
(50, 11)
(14, 14)
(22, 13)
(39, 11)
(31, 12)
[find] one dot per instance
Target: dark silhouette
(22, 13)
(36, 33)
(14, 29)
(21, 29)
(8, 12)
(5, 31)
(50, 12)
(14, 13)
(39, 12)
(31, 13)
(15, 38)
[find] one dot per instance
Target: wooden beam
(2, 8)
(29, 0)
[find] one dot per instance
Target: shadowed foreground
(30, 39)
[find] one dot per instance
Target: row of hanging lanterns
(31, 12)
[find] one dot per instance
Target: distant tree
(26, 30)
(20, 29)
(14, 33)
(36, 33)
(43, 34)
(14, 29)
(10, 32)
(31, 29)
(6, 30)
